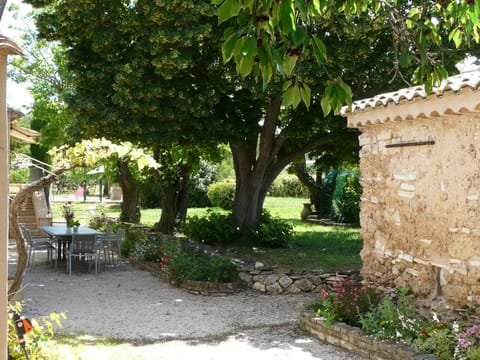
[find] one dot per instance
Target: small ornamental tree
(88, 153)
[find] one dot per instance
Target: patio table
(63, 234)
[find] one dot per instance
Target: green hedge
(288, 186)
(222, 194)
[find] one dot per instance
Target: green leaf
(287, 16)
(286, 85)
(292, 97)
(296, 96)
(229, 46)
(456, 36)
(267, 73)
(228, 9)
(319, 50)
(250, 47)
(406, 58)
(298, 37)
(216, 2)
(316, 6)
(289, 64)
(326, 106)
(244, 67)
(306, 94)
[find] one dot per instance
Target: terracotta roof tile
(455, 84)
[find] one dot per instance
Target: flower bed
(357, 341)
(394, 319)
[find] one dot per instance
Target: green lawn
(314, 246)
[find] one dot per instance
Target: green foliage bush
(150, 193)
(393, 320)
(134, 235)
(19, 176)
(213, 229)
(346, 202)
(222, 194)
(184, 264)
(189, 265)
(288, 186)
(271, 232)
(37, 341)
(199, 184)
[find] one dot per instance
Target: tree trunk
(130, 194)
(166, 224)
(174, 191)
(258, 161)
(315, 186)
(256, 173)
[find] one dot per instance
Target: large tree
(152, 71)
(140, 77)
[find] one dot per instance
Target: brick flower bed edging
(357, 341)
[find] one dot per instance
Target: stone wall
(420, 212)
(276, 280)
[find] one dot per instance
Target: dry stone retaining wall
(277, 280)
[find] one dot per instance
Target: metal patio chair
(83, 247)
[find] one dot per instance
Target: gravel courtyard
(155, 320)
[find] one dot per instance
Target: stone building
(420, 208)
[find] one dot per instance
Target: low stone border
(356, 341)
(277, 281)
(196, 287)
(208, 288)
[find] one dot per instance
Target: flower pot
(306, 211)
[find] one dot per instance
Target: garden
(398, 319)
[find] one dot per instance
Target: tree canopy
(153, 72)
(269, 38)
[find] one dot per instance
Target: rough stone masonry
(420, 169)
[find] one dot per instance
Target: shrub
(188, 265)
(345, 301)
(19, 176)
(213, 229)
(271, 232)
(394, 320)
(199, 184)
(438, 340)
(222, 194)
(134, 235)
(158, 248)
(346, 203)
(37, 341)
(289, 186)
(185, 264)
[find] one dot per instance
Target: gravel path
(156, 320)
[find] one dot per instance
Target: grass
(314, 246)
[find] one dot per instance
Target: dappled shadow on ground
(274, 342)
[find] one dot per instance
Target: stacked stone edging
(355, 340)
(276, 280)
